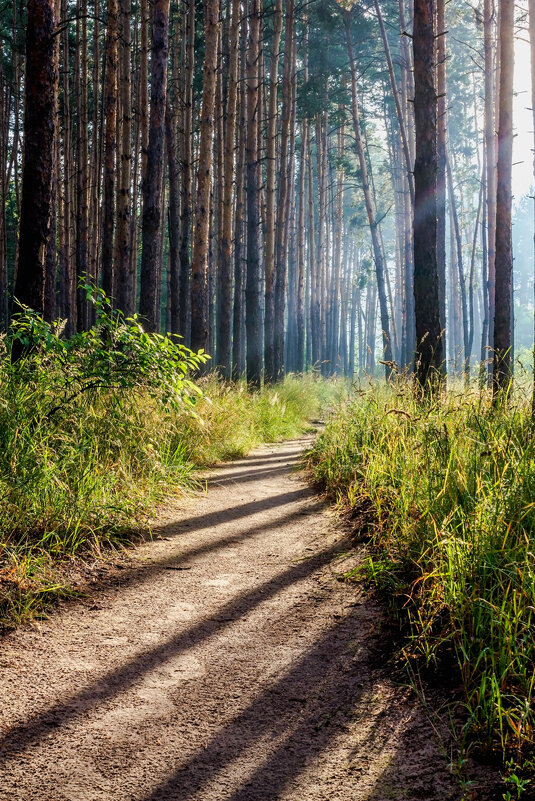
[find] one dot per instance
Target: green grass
(448, 490)
(84, 479)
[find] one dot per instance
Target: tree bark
(40, 93)
(441, 158)
(238, 340)
(110, 148)
(504, 250)
(490, 156)
(174, 221)
(124, 288)
(253, 312)
(151, 265)
(199, 288)
(224, 294)
(429, 349)
(271, 194)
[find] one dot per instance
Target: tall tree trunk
(151, 266)
(95, 159)
(460, 266)
(69, 305)
(187, 175)
(282, 239)
(174, 221)
(471, 277)
(199, 288)
(484, 284)
(301, 255)
(314, 254)
(224, 294)
(82, 173)
(429, 347)
(253, 313)
(124, 277)
(504, 248)
(490, 155)
(368, 200)
(531, 11)
(51, 257)
(40, 93)
(238, 340)
(441, 158)
(271, 193)
(110, 148)
(143, 85)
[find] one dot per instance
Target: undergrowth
(448, 491)
(94, 431)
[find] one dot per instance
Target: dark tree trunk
(110, 147)
(224, 294)
(82, 172)
(490, 154)
(426, 287)
(201, 243)
(271, 191)
(301, 256)
(238, 340)
(51, 258)
(151, 266)
(174, 221)
(282, 238)
(504, 249)
(441, 158)
(253, 312)
(124, 275)
(41, 82)
(187, 171)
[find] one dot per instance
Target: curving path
(227, 662)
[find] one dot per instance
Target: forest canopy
(246, 175)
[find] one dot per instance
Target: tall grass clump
(96, 429)
(231, 420)
(450, 489)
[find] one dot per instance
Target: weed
(96, 430)
(451, 485)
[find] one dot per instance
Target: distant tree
(369, 201)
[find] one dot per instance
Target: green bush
(96, 429)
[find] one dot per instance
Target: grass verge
(85, 478)
(448, 492)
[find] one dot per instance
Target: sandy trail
(228, 663)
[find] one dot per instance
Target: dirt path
(228, 664)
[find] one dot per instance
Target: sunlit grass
(87, 478)
(450, 486)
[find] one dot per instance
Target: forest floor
(225, 660)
